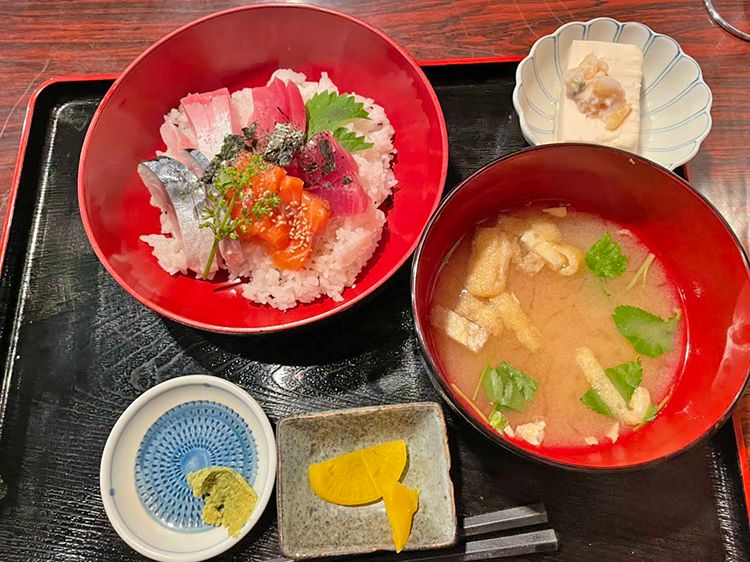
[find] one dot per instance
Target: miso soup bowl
(702, 255)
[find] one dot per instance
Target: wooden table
(43, 39)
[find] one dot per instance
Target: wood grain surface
(41, 39)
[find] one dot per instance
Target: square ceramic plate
(311, 527)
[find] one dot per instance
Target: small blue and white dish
(175, 428)
(675, 100)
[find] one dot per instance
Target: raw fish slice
(297, 113)
(195, 161)
(177, 133)
(177, 192)
(330, 172)
(175, 140)
(212, 117)
(277, 103)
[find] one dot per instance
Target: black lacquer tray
(76, 350)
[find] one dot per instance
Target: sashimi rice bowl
(266, 180)
(275, 190)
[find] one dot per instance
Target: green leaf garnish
(605, 259)
(592, 401)
(648, 333)
(625, 377)
(651, 412)
(498, 420)
(507, 387)
(350, 140)
(328, 111)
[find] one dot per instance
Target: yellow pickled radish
(401, 503)
(359, 477)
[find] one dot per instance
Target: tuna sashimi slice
(277, 103)
(330, 172)
(212, 117)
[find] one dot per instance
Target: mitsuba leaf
(648, 333)
(605, 258)
(507, 387)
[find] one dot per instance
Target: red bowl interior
(241, 48)
(700, 252)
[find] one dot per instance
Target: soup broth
(570, 311)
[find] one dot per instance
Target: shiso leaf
(327, 111)
(350, 140)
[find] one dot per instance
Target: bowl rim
(448, 396)
(337, 306)
(133, 540)
(529, 135)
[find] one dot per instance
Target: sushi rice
(347, 243)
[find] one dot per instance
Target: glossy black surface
(76, 350)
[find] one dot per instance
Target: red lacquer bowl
(239, 48)
(701, 253)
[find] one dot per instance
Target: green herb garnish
(507, 387)
(498, 420)
(350, 140)
(648, 333)
(328, 111)
(222, 194)
(605, 259)
(265, 205)
(625, 378)
(651, 412)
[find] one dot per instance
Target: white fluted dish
(675, 100)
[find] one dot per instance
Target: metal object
(716, 16)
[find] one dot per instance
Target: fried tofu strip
(516, 319)
(545, 239)
(482, 312)
(526, 260)
(458, 328)
(489, 262)
(629, 414)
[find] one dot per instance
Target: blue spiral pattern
(186, 438)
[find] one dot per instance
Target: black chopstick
(512, 518)
(488, 549)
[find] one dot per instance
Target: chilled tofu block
(480, 311)
(489, 262)
(458, 328)
(623, 63)
(517, 320)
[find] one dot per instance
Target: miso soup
(559, 327)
